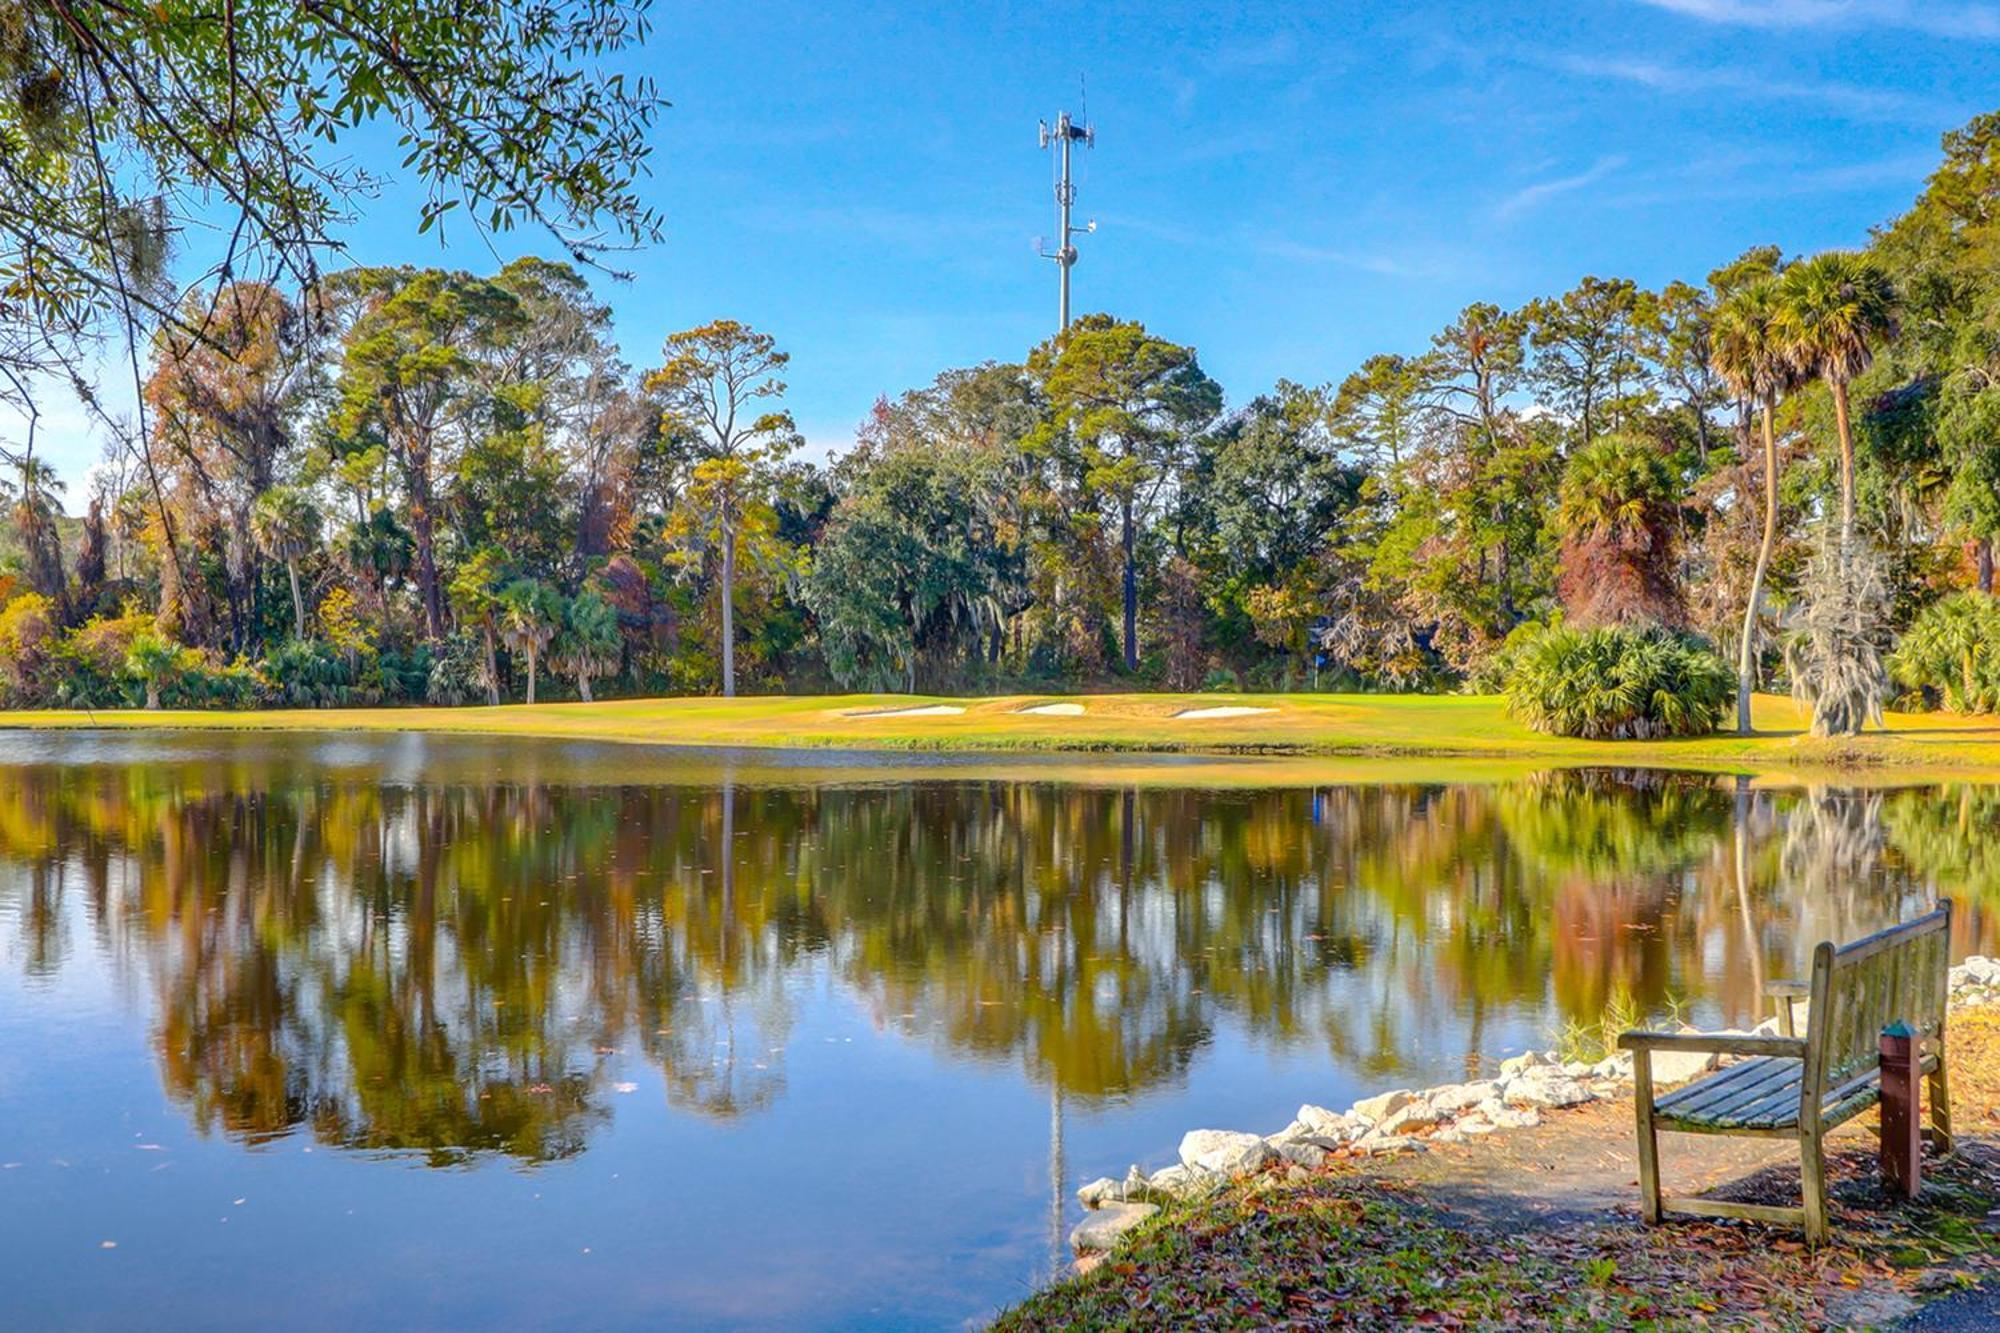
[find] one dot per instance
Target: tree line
(405, 484)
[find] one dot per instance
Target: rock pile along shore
(1405, 1120)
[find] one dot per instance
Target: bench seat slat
(1781, 1080)
(1706, 1096)
(1757, 1083)
(1765, 1098)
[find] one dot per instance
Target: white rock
(1300, 1153)
(1518, 1064)
(1550, 1088)
(1380, 1145)
(1502, 1116)
(1101, 1230)
(1101, 1191)
(1450, 1136)
(1415, 1116)
(1181, 1182)
(1617, 1066)
(1680, 1066)
(1289, 1134)
(1373, 1109)
(1474, 1125)
(1323, 1121)
(1225, 1151)
(1576, 1069)
(1453, 1098)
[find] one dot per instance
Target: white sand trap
(928, 710)
(1220, 710)
(1053, 710)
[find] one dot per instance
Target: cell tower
(1065, 135)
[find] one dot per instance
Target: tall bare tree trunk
(1846, 466)
(1746, 656)
(1982, 557)
(728, 605)
(1131, 540)
(298, 602)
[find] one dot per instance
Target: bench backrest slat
(1861, 988)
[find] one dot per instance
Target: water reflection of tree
(448, 969)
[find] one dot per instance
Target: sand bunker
(927, 710)
(1221, 710)
(1054, 710)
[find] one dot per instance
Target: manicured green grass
(1295, 725)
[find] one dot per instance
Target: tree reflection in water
(446, 969)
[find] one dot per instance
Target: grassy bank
(1451, 726)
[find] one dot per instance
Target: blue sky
(1289, 188)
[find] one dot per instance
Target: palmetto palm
(589, 644)
(285, 525)
(38, 501)
(1744, 350)
(530, 613)
(1833, 311)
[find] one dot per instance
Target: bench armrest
(1726, 1043)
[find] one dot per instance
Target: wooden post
(1902, 1127)
(1649, 1138)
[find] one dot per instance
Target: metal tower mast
(1066, 134)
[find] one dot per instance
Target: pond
(338, 1030)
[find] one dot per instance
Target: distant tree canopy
(406, 483)
(124, 128)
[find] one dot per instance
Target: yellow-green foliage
(1952, 653)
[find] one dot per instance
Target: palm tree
(38, 502)
(151, 660)
(1833, 311)
(1744, 350)
(1618, 507)
(530, 611)
(589, 644)
(285, 525)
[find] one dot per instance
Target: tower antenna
(1065, 135)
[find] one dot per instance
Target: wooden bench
(1795, 1087)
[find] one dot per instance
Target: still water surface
(445, 1032)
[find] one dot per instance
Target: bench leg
(1940, 1096)
(1649, 1137)
(1812, 1183)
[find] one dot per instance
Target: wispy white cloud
(1774, 177)
(1844, 98)
(1939, 18)
(1534, 196)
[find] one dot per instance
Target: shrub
(27, 632)
(1489, 674)
(88, 664)
(1612, 683)
(1952, 654)
(457, 672)
(203, 681)
(301, 673)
